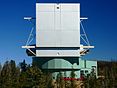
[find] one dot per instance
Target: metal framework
(31, 36)
(84, 48)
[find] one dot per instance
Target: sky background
(101, 27)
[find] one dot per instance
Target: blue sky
(101, 27)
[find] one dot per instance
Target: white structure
(58, 39)
(58, 31)
(57, 26)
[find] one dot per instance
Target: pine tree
(72, 79)
(23, 66)
(33, 78)
(14, 73)
(5, 76)
(9, 75)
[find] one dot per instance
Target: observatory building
(59, 46)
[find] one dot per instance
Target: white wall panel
(72, 40)
(57, 53)
(44, 7)
(70, 21)
(46, 37)
(70, 7)
(45, 21)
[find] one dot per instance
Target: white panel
(45, 25)
(57, 53)
(46, 38)
(70, 25)
(58, 38)
(71, 38)
(42, 7)
(70, 7)
(57, 21)
(45, 21)
(70, 21)
(57, 25)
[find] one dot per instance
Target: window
(86, 71)
(53, 77)
(94, 69)
(82, 72)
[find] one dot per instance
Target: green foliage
(33, 77)
(9, 75)
(23, 66)
(107, 72)
(60, 81)
(73, 76)
(26, 76)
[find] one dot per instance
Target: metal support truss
(84, 38)
(31, 36)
